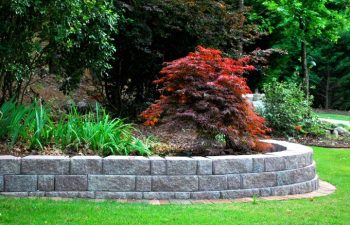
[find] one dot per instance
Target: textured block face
(71, 183)
(46, 182)
(126, 165)
(240, 193)
(158, 165)
(233, 181)
(298, 161)
(175, 183)
(15, 194)
(118, 195)
(296, 176)
(258, 180)
(212, 183)
(182, 195)
(19, 183)
(143, 183)
(280, 191)
(86, 165)
(9, 165)
(1, 183)
(205, 195)
(37, 194)
(258, 164)
(45, 165)
(274, 164)
(111, 183)
(181, 166)
(204, 165)
(158, 195)
(264, 192)
(70, 194)
(232, 164)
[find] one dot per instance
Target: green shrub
(288, 112)
(97, 131)
(33, 126)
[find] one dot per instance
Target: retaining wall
(134, 177)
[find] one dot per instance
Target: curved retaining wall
(125, 177)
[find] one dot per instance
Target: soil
(319, 141)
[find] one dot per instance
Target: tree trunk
(240, 42)
(327, 89)
(305, 71)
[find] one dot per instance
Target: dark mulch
(325, 142)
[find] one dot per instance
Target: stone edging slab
(291, 171)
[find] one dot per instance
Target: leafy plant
(288, 112)
(207, 88)
(33, 125)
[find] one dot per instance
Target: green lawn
(333, 166)
(334, 116)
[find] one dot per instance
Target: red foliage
(207, 88)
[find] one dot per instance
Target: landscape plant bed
(291, 171)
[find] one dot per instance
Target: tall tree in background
(163, 30)
(73, 34)
(302, 21)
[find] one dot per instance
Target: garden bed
(291, 171)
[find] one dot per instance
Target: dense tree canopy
(64, 36)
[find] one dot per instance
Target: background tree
(70, 35)
(297, 23)
(160, 31)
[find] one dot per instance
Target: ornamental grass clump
(33, 126)
(205, 87)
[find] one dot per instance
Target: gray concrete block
(181, 166)
(86, 165)
(239, 193)
(46, 182)
(1, 183)
(71, 183)
(174, 183)
(70, 194)
(296, 176)
(212, 183)
(45, 165)
(111, 183)
(126, 165)
(118, 195)
(158, 195)
(232, 164)
(14, 194)
(20, 183)
(205, 195)
(300, 188)
(36, 194)
(281, 190)
(274, 163)
(264, 192)
(295, 161)
(143, 183)
(204, 165)
(182, 195)
(233, 181)
(158, 165)
(9, 164)
(258, 180)
(258, 164)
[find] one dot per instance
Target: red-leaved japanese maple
(207, 88)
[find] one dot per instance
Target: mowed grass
(332, 165)
(334, 116)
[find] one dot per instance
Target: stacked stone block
(135, 177)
